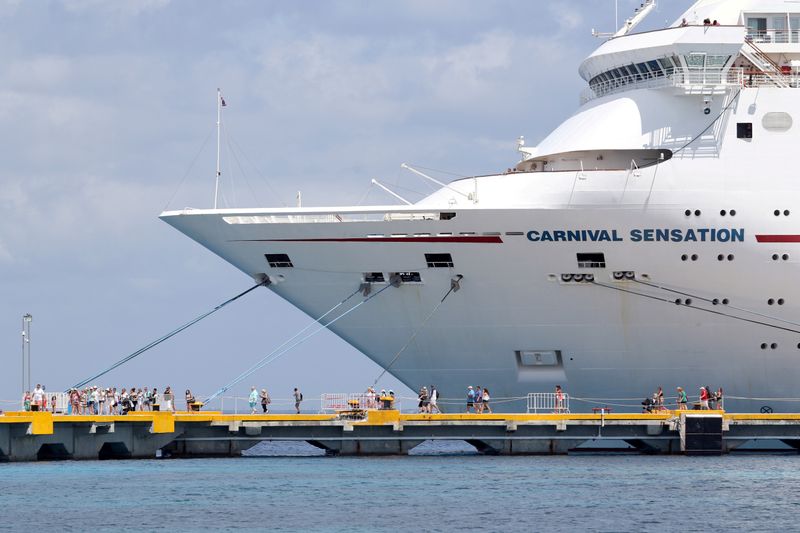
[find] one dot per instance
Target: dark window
(744, 130)
(410, 277)
(439, 260)
(279, 261)
(591, 261)
(447, 216)
(374, 277)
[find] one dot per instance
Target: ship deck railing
(691, 82)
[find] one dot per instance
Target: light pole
(27, 318)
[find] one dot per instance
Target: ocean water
(290, 487)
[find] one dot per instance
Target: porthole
(725, 301)
(697, 212)
(775, 257)
(720, 257)
(781, 301)
(786, 212)
(566, 277)
(722, 213)
(684, 257)
(776, 213)
(774, 345)
(798, 345)
(763, 345)
(730, 257)
(694, 257)
(733, 212)
(688, 213)
(785, 257)
(715, 301)
(688, 301)
(678, 301)
(771, 301)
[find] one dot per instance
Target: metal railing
(343, 401)
(700, 79)
(549, 402)
(774, 36)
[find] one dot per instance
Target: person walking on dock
(38, 398)
(298, 397)
(189, 400)
(470, 398)
(704, 398)
(147, 399)
(682, 399)
(434, 399)
(478, 399)
(169, 399)
(485, 404)
(265, 401)
(559, 399)
(253, 400)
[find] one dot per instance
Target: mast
(220, 103)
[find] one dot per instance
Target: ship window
(408, 277)
(695, 60)
(744, 130)
(538, 357)
(279, 260)
(653, 65)
(374, 277)
(439, 260)
(777, 121)
(447, 216)
(716, 62)
(591, 260)
(677, 61)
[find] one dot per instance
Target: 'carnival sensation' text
(639, 235)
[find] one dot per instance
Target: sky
(108, 112)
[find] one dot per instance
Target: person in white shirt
(38, 397)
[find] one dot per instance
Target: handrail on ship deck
(703, 80)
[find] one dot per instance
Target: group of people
(37, 400)
(478, 400)
(110, 401)
(429, 400)
(264, 399)
(707, 399)
(706, 22)
(102, 400)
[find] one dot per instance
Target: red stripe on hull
(459, 238)
(778, 238)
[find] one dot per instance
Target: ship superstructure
(651, 239)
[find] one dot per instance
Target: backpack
(301, 396)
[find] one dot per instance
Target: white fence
(342, 401)
(549, 402)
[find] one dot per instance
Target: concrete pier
(43, 436)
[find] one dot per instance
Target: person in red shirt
(703, 398)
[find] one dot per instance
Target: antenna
(220, 105)
(639, 14)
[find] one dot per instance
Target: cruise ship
(650, 240)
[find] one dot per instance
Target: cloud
(123, 8)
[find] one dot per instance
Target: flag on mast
(222, 101)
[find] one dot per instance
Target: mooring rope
(283, 348)
(161, 339)
(453, 286)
